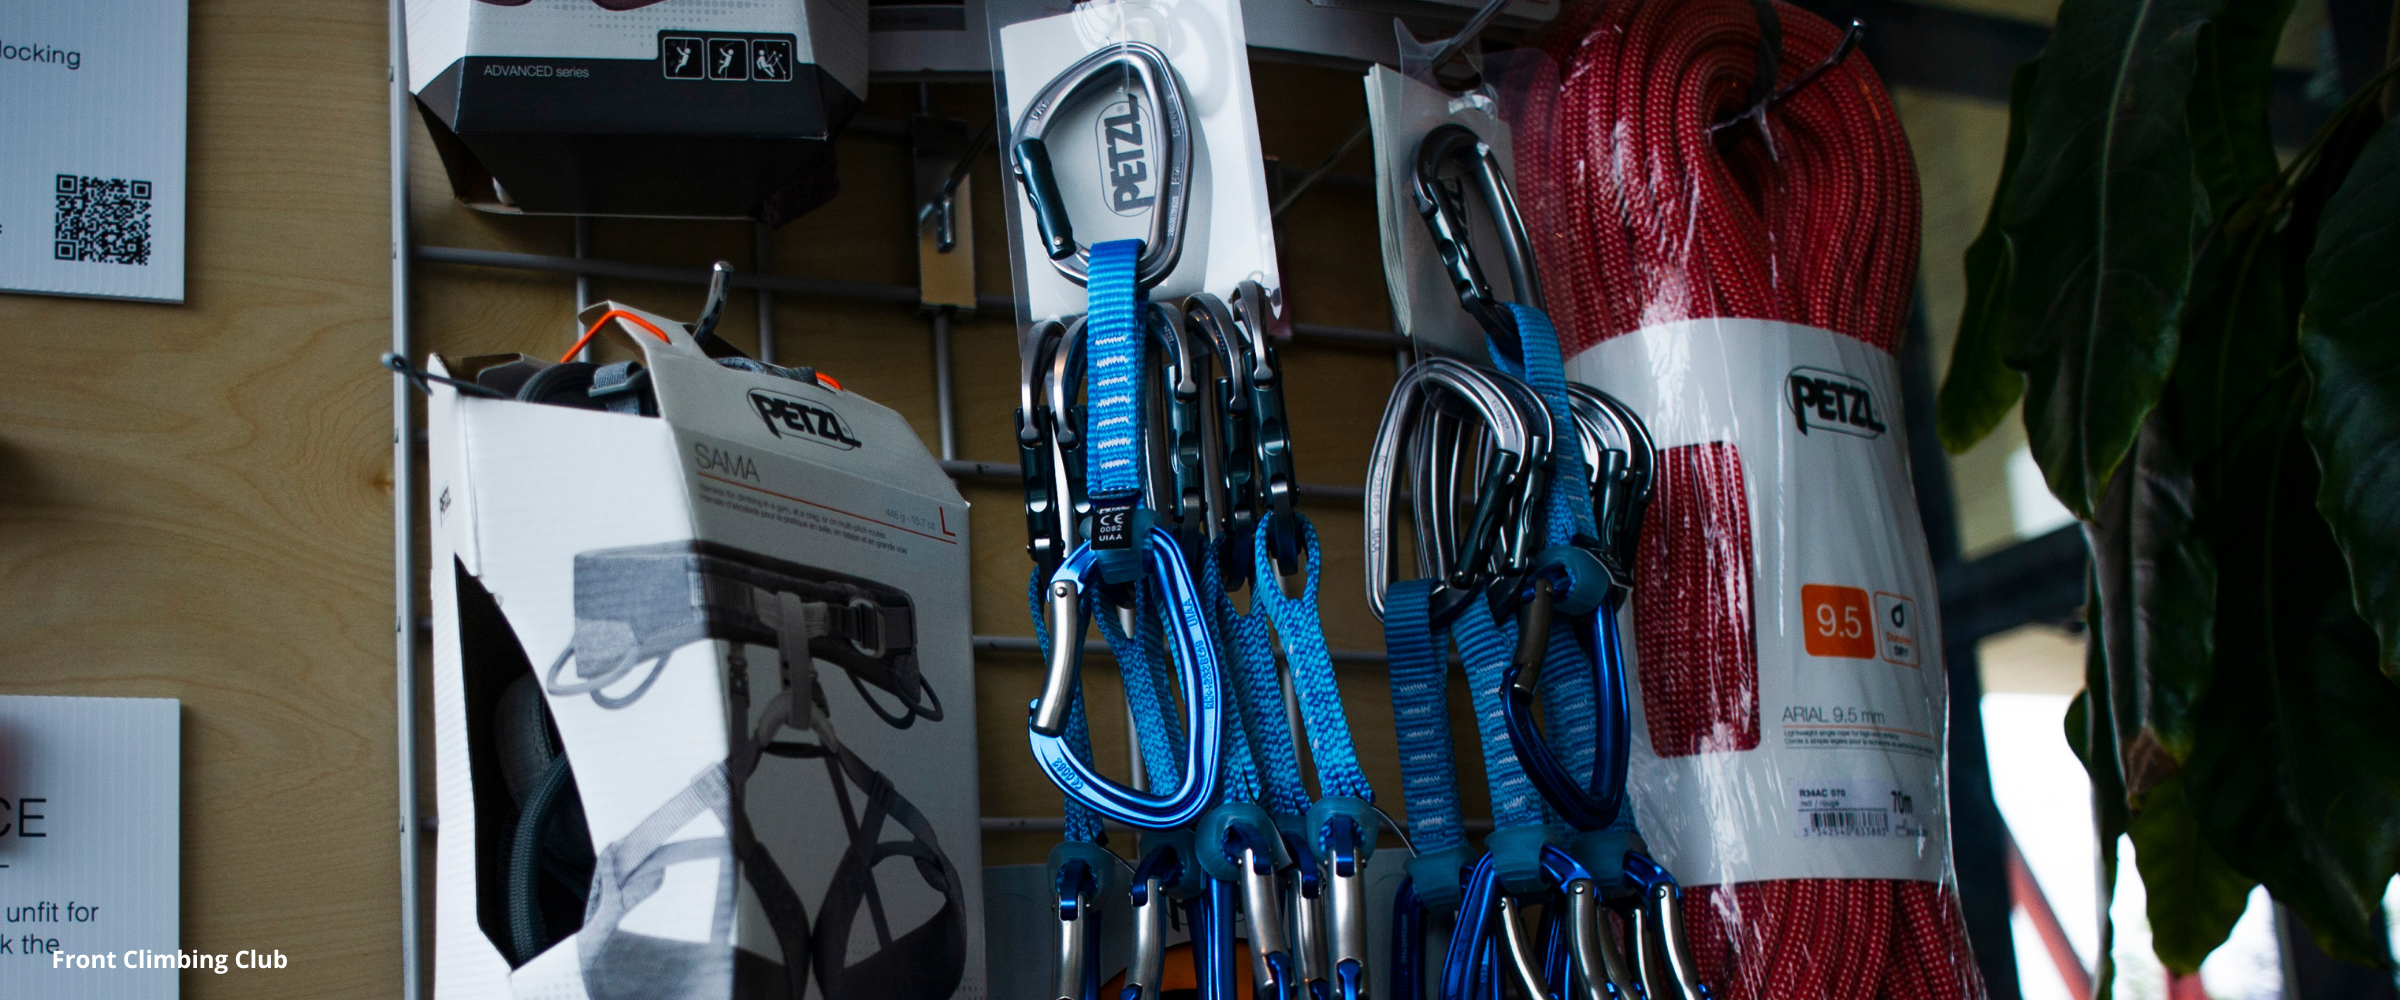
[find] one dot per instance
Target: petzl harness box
(665, 108)
(704, 715)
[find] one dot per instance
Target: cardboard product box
(665, 108)
(704, 705)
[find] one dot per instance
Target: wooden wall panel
(195, 500)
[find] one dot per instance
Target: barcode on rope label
(101, 219)
(1855, 809)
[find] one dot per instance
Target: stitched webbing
(1485, 645)
(1112, 361)
(1570, 700)
(1421, 715)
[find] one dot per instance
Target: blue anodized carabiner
(1194, 651)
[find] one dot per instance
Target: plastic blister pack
(1730, 245)
(1144, 111)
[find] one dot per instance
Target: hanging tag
(1112, 521)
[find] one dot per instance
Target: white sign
(91, 176)
(90, 834)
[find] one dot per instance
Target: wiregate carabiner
(1442, 203)
(1657, 921)
(1194, 651)
(1030, 159)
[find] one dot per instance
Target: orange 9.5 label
(1840, 621)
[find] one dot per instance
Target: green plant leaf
(1980, 388)
(2295, 776)
(2350, 340)
(2101, 221)
(2090, 734)
(2233, 149)
(2194, 897)
(2155, 580)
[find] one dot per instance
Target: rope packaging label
(1790, 707)
(702, 684)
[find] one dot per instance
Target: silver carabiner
(1307, 922)
(1030, 159)
(1146, 969)
(1514, 451)
(1270, 957)
(1662, 956)
(1076, 917)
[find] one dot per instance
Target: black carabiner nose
(1443, 205)
(1030, 161)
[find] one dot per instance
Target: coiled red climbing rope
(1647, 215)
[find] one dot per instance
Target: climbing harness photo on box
(881, 911)
(634, 609)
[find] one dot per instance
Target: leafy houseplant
(2206, 341)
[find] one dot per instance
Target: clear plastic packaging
(1735, 262)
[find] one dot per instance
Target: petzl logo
(1833, 401)
(787, 416)
(1124, 157)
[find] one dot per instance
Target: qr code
(102, 219)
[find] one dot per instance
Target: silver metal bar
(945, 385)
(404, 492)
(1007, 472)
(1027, 644)
(766, 297)
(583, 250)
(903, 294)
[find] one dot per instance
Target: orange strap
(602, 321)
(588, 334)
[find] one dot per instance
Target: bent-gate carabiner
(1194, 650)
(1030, 159)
